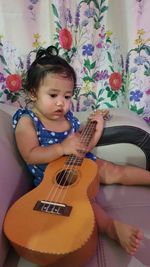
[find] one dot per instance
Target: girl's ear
(32, 95)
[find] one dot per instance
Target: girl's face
(53, 98)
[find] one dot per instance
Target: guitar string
(62, 192)
(54, 189)
(73, 160)
(84, 134)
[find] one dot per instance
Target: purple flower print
(2, 78)
(28, 61)
(100, 44)
(101, 75)
(127, 63)
(87, 50)
(102, 33)
(147, 91)
(77, 17)
(84, 70)
(88, 102)
(68, 16)
(89, 13)
(139, 60)
(136, 95)
(147, 119)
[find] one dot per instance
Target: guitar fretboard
(86, 136)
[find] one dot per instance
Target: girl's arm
(33, 153)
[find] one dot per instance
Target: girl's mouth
(58, 112)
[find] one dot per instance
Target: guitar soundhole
(66, 177)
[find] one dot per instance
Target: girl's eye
(53, 95)
(67, 96)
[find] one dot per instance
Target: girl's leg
(111, 173)
(128, 236)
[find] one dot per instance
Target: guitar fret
(86, 136)
(73, 160)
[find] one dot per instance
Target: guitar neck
(86, 136)
(88, 132)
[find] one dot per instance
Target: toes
(139, 235)
(132, 248)
(134, 243)
(128, 236)
(132, 253)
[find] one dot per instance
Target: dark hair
(47, 61)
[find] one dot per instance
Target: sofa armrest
(14, 179)
(125, 139)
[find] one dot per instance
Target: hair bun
(49, 51)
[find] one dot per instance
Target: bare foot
(128, 236)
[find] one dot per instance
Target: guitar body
(54, 225)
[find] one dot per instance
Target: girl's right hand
(73, 145)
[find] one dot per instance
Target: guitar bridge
(53, 208)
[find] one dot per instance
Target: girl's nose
(59, 102)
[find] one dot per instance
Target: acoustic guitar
(53, 225)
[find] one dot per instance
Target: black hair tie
(40, 53)
(49, 51)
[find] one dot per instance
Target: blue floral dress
(47, 138)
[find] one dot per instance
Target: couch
(126, 139)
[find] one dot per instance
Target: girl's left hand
(98, 117)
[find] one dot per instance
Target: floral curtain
(107, 42)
